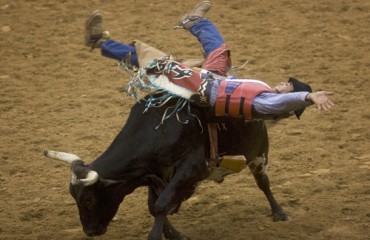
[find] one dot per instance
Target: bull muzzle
(95, 232)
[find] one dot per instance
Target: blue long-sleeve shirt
(273, 103)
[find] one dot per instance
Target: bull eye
(88, 201)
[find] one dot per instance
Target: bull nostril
(95, 232)
(90, 233)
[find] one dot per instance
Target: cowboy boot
(94, 33)
(198, 13)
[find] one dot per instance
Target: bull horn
(63, 156)
(91, 178)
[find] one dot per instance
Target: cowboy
(227, 96)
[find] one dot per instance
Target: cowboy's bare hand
(322, 100)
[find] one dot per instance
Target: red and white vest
(235, 97)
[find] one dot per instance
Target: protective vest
(235, 97)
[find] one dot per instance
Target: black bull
(170, 160)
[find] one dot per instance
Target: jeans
(119, 51)
(208, 35)
(204, 30)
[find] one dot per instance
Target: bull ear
(109, 182)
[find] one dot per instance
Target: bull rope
(156, 97)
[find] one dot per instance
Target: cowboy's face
(284, 87)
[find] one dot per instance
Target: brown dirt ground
(57, 95)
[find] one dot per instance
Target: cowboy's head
(293, 85)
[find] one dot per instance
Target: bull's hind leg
(259, 169)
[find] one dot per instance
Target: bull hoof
(176, 236)
(281, 216)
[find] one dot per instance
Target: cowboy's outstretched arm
(321, 99)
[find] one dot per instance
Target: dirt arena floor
(57, 95)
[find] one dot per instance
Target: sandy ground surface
(56, 95)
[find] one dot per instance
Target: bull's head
(97, 199)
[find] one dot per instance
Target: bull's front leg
(156, 232)
(163, 225)
(188, 173)
(258, 167)
(166, 202)
(168, 231)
